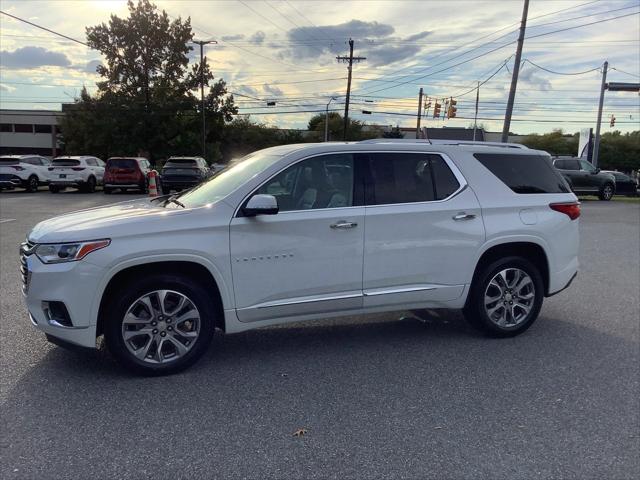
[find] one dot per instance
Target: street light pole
(326, 121)
(202, 43)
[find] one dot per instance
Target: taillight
(572, 210)
(77, 169)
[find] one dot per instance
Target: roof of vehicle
(127, 158)
(74, 157)
(184, 158)
(18, 157)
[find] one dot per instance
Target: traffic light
(612, 123)
(452, 108)
(436, 110)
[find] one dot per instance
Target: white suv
(83, 172)
(302, 232)
(26, 171)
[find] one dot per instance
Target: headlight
(68, 252)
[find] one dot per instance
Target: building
(29, 131)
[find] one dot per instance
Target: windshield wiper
(173, 199)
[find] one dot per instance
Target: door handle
(463, 216)
(342, 225)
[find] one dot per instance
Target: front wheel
(606, 192)
(32, 183)
(160, 324)
(505, 297)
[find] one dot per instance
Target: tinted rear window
(65, 162)
(9, 161)
(121, 163)
(181, 163)
(524, 173)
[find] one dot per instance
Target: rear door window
(399, 178)
(524, 173)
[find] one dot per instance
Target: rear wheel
(606, 192)
(505, 298)
(32, 184)
(89, 186)
(160, 324)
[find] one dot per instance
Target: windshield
(228, 179)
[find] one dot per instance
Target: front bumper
(74, 284)
(11, 181)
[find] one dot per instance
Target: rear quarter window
(524, 173)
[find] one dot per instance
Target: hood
(112, 221)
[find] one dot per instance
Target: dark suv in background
(126, 173)
(184, 172)
(585, 179)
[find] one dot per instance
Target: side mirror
(596, 171)
(261, 205)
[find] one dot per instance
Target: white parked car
(25, 171)
(302, 232)
(83, 172)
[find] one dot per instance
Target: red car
(126, 173)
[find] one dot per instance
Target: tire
(55, 188)
(607, 191)
(89, 186)
(107, 190)
(129, 302)
(32, 183)
(502, 322)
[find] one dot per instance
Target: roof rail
(445, 142)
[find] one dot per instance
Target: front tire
(32, 183)
(160, 324)
(505, 297)
(606, 192)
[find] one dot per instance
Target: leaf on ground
(300, 432)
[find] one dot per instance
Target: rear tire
(148, 360)
(606, 192)
(32, 183)
(89, 186)
(501, 304)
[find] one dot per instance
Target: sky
(285, 51)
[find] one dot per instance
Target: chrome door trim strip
(303, 300)
(387, 291)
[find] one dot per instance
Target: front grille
(26, 249)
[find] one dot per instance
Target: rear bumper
(122, 185)
(67, 183)
(561, 279)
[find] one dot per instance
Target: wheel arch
(528, 249)
(191, 268)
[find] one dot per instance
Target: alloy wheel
(509, 297)
(608, 192)
(161, 326)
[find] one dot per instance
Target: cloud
(417, 36)
(232, 38)
(272, 90)
(33, 57)
(530, 77)
(92, 65)
(6, 88)
(257, 38)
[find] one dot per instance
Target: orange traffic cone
(153, 188)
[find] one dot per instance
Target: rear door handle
(463, 216)
(342, 225)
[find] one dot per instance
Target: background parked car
(126, 173)
(83, 172)
(586, 179)
(183, 172)
(26, 171)
(625, 185)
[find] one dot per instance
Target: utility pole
(475, 117)
(419, 113)
(202, 43)
(326, 121)
(514, 75)
(603, 87)
(350, 59)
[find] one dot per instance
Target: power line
(582, 25)
(584, 16)
(45, 29)
(526, 60)
(626, 73)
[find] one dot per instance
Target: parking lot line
(5, 220)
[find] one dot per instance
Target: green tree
(620, 151)
(146, 100)
(355, 128)
(556, 142)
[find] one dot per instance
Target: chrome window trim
(452, 166)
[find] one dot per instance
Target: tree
(556, 142)
(393, 133)
(355, 128)
(620, 151)
(146, 101)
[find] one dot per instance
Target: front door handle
(342, 225)
(463, 216)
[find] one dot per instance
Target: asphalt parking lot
(379, 397)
